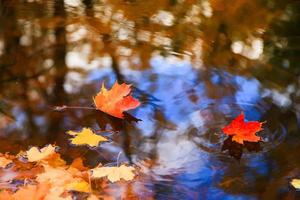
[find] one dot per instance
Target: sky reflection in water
(182, 168)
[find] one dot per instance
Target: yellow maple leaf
(4, 162)
(295, 183)
(86, 137)
(35, 154)
(114, 173)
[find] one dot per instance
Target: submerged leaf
(116, 100)
(86, 137)
(243, 131)
(114, 173)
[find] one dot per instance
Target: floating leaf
(35, 154)
(86, 137)
(243, 131)
(295, 183)
(116, 100)
(114, 173)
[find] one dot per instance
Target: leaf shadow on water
(236, 149)
(104, 120)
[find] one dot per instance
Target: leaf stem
(118, 158)
(64, 107)
(106, 131)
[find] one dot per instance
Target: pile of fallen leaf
(42, 174)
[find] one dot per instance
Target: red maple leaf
(243, 131)
(116, 100)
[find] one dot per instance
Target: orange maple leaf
(116, 100)
(243, 131)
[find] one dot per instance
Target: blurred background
(194, 65)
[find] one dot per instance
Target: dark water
(194, 65)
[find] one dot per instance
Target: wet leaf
(114, 173)
(296, 183)
(35, 154)
(86, 137)
(116, 100)
(243, 131)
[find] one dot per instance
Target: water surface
(194, 65)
